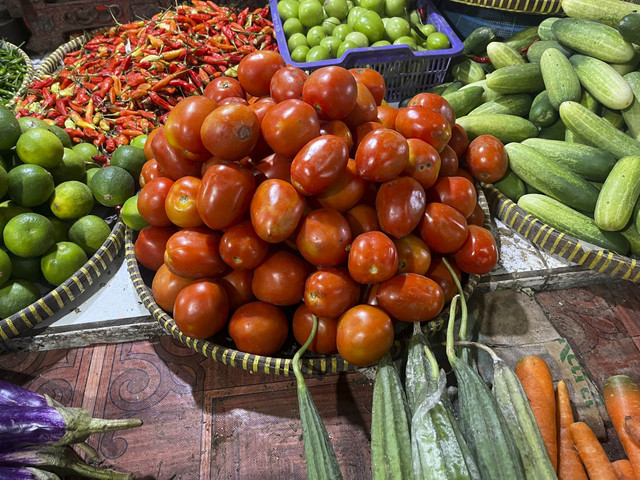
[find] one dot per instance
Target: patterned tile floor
(203, 420)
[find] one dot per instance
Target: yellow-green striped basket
(28, 76)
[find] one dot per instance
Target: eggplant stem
(88, 450)
(97, 425)
(462, 334)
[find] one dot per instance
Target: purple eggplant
(61, 460)
(23, 426)
(26, 473)
(11, 394)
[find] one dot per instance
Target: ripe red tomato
(237, 284)
(289, 126)
(345, 192)
(323, 237)
(182, 128)
(273, 166)
(223, 87)
(414, 255)
(150, 245)
(231, 131)
(201, 309)
(387, 116)
(337, 128)
(365, 109)
(463, 172)
(319, 163)
(373, 258)
(194, 253)
(443, 228)
(449, 163)
(457, 192)
(280, 278)
(373, 80)
(362, 218)
(166, 286)
(256, 69)
(382, 155)
(400, 204)
(329, 292)
(410, 297)
(148, 152)
(436, 103)
(423, 164)
(225, 195)
(258, 328)
(276, 209)
(459, 140)
(181, 203)
(477, 217)
(325, 86)
(287, 83)
(262, 106)
(439, 273)
(241, 247)
(486, 159)
(152, 199)
(171, 161)
(230, 100)
(150, 170)
(427, 125)
(324, 343)
(364, 335)
(479, 253)
(363, 130)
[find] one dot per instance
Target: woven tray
(560, 244)
(541, 7)
(28, 76)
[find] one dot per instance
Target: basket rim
(28, 76)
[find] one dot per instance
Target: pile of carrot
(573, 448)
(125, 81)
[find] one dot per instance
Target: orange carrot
(569, 464)
(622, 399)
(623, 469)
(591, 452)
(535, 376)
(632, 426)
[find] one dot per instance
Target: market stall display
(16, 72)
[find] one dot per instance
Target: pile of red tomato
(281, 192)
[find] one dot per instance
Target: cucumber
(597, 131)
(488, 94)
(594, 39)
(467, 71)
(602, 81)
(592, 104)
(511, 185)
(523, 39)
(629, 27)
(550, 178)
(609, 12)
(619, 194)
(453, 87)
(517, 104)
(630, 232)
(477, 41)
(589, 162)
(614, 117)
(544, 29)
(502, 55)
(567, 220)
(560, 78)
(437, 89)
(506, 128)
(542, 113)
(627, 67)
(537, 49)
(556, 131)
(464, 100)
(631, 114)
(526, 78)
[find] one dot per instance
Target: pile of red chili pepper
(124, 82)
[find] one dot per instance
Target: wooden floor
(204, 420)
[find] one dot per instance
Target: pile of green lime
(320, 31)
(50, 191)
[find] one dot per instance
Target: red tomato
(459, 140)
(258, 328)
(241, 247)
(479, 253)
(443, 228)
(324, 343)
(427, 125)
(414, 255)
(256, 69)
(225, 195)
(194, 253)
(373, 80)
(345, 192)
(231, 131)
(201, 309)
(325, 86)
(449, 163)
(436, 103)
(439, 273)
(280, 278)
(150, 245)
(457, 192)
(237, 284)
(223, 87)
(365, 109)
(181, 203)
(477, 217)
(329, 292)
(364, 335)
(323, 237)
(462, 172)
(387, 116)
(338, 128)
(230, 100)
(319, 163)
(150, 170)
(148, 152)
(166, 286)
(382, 155)
(400, 204)
(182, 128)
(486, 159)
(287, 83)
(373, 258)
(171, 161)
(289, 126)
(152, 199)
(206, 165)
(276, 209)
(362, 218)
(423, 164)
(261, 107)
(364, 129)
(273, 166)
(410, 297)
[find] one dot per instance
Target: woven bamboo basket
(28, 76)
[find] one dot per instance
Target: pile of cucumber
(564, 97)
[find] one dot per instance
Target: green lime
(27, 123)
(130, 158)
(8, 210)
(86, 151)
(71, 167)
(288, 9)
(90, 173)
(9, 128)
(438, 41)
(25, 268)
(296, 40)
(30, 185)
(62, 135)
(5, 267)
(28, 234)
(315, 35)
(61, 261)
(16, 295)
(395, 8)
(310, 13)
(318, 53)
(292, 25)
(341, 31)
(89, 232)
(358, 38)
(131, 216)
(71, 200)
(10, 159)
(112, 185)
(397, 27)
(40, 147)
(60, 227)
(299, 54)
(139, 141)
(336, 8)
(4, 182)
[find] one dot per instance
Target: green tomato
(296, 40)
(406, 40)
(330, 24)
(397, 27)
(332, 43)
(139, 141)
(292, 25)
(299, 54)
(415, 18)
(344, 46)
(310, 13)
(381, 43)
(288, 9)
(359, 39)
(337, 8)
(427, 29)
(395, 8)
(342, 30)
(354, 13)
(438, 41)
(318, 53)
(314, 35)
(350, 4)
(371, 25)
(373, 5)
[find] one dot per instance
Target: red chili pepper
(104, 86)
(101, 159)
(161, 102)
(49, 99)
(61, 106)
(124, 65)
(243, 15)
(110, 145)
(38, 84)
(195, 78)
(73, 132)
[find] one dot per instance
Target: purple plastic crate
(406, 72)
